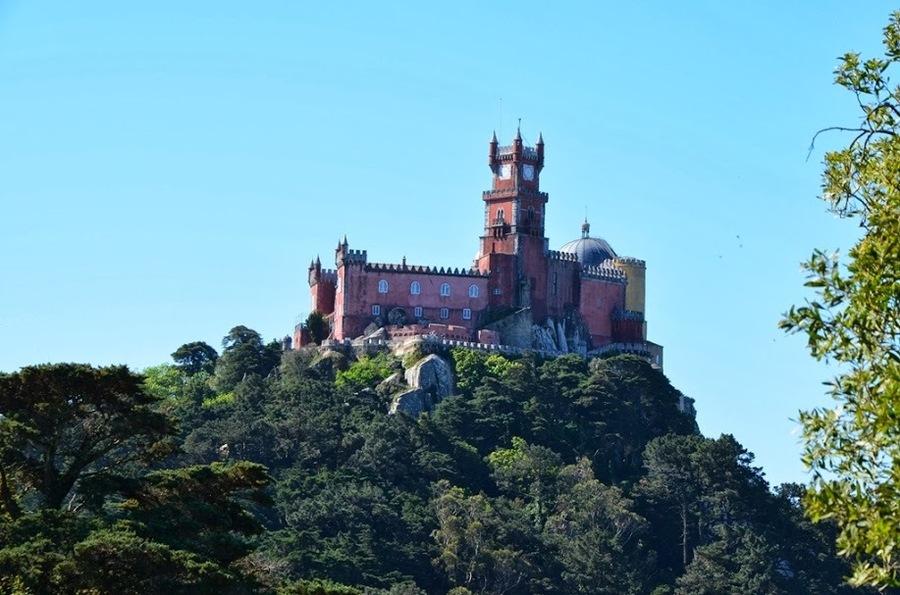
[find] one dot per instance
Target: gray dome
(590, 251)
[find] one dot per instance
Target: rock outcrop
(413, 402)
(542, 338)
(433, 375)
(430, 380)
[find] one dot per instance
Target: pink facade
(514, 270)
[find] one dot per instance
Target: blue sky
(168, 169)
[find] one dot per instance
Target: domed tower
(590, 251)
(611, 299)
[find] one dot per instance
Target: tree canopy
(853, 320)
(550, 476)
(66, 422)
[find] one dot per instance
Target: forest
(260, 471)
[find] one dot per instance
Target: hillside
(530, 476)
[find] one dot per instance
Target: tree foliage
(853, 449)
(66, 422)
(552, 476)
(195, 356)
(318, 327)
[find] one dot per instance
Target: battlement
(348, 256)
(510, 192)
(505, 153)
(605, 272)
(564, 256)
(629, 260)
(424, 270)
(322, 276)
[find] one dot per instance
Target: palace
(582, 297)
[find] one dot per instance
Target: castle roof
(590, 251)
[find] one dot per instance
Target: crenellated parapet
(605, 272)
(424, 270)
(511, 192)
(320, 275)
(563, 256)
(630, 261)
(347, 256)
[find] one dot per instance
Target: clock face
(505, 171)
(528, 171)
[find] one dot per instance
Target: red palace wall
(562, 286)
(502, 280)
(599, 299)
(322, 294)
(359, 292)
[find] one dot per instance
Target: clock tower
(513, 247)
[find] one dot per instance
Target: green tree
(318, 327)
(61, 423)
(366, 372)
(705, 482)
(739, 562)
(597, 535)
(244, 354)
(475, 547)
(529, 472)
(854, 320)
(195, 357)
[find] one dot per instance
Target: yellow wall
(636, 271)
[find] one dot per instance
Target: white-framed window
(417, 311)
(473, 291)
(415, 288)
(382, 286)
(445, 289)
(376, 310)
(467, 314)
(500, 214)
(445, 313)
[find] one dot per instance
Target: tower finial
(519, 130)
(585, 227)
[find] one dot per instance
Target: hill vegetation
(255, 471)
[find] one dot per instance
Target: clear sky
(168, 169)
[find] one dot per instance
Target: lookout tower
(513, 245)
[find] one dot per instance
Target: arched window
(473, 291)
(467, 314)
(530, 213)
(445, 289)
(415, 288)
(376, 309)
(382, 286)
(445, 313)
(417, 312)
(500, 214)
